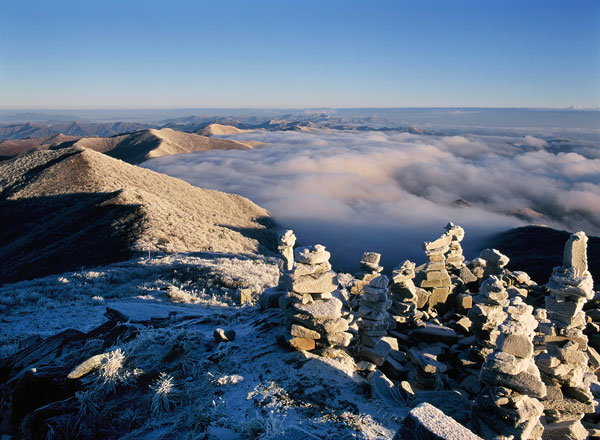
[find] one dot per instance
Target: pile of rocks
(436, 278)
(369, 270)
(403, 294)
(313, 316)
(454, 256)
(374, 322)
(564, 362)
(507, 405)
(486, 315)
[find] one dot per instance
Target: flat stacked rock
(369, 270)
(373, 322)
(564, 361)
(454, 256)
(403, 294)
(493, 261)
(314, 316)
(436, 277)
(508, 405)
(486, 315)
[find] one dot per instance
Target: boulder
(426, 422)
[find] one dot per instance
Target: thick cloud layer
(390, 191)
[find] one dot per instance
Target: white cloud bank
(390, 191)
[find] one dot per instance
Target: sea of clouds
(390, 191)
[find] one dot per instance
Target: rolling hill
(74, 207)
(138, 146)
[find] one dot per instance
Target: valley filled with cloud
(390, 191)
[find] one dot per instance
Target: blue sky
(134, 54)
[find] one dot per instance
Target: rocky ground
(197, 346)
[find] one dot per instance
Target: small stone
(365, 366)
(381, 282)
(567, 430)
(426, 422)
(221, 335)
(464, 324)
(88, 366)
(495, 257)
(303, 332)
(471, 383)
(517, 345)
(301, 344)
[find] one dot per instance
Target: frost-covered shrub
(109, 373)
(262, 426)
(164, 394)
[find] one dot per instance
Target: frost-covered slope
(60, 210)
(166, 377)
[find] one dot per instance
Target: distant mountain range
(73, 128)
(188, 124)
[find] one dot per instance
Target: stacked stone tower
(508, 406)
(369, 270)
(403, 294)
(437, 279)
(454, 256)
(314, 316)
(486, 315)
(564, 362)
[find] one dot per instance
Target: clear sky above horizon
(134, 54)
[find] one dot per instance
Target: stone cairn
(507, 406)
(486, 315)
(454, 257)
(403, 294)
(313, 315)
(374, 322)
(564, 362)
(437, 279)
(270, 297)
(369, 270)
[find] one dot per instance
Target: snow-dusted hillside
(166, 377)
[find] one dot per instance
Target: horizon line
(573, 107)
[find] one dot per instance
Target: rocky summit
(492, 355)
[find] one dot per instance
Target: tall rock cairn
(369, 270)
(437, 279)
(508, 405)
(454, 257)
(486, 315)
(403, 294)
(564, 362)
(374, 322)
(314, 316)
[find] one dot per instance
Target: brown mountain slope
(220, 129)
(73, 207)
(138, 146)
(12, 148)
